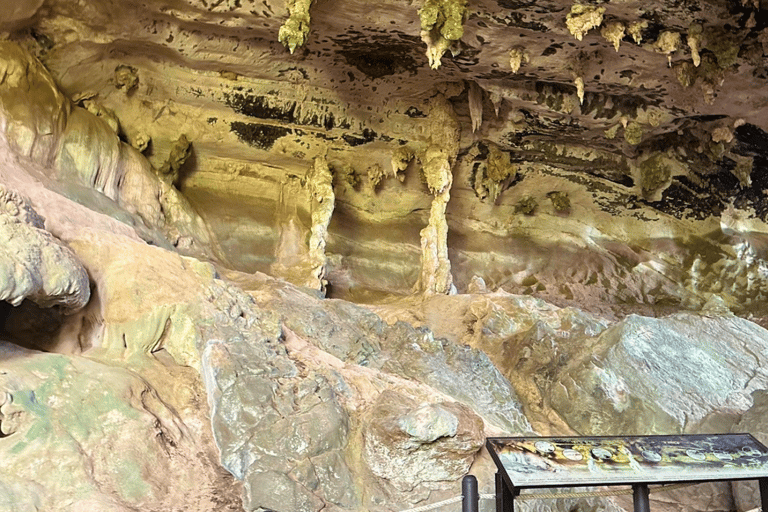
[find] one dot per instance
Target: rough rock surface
(663, 375)
(406, 442)
(33, 264)
(111, 433)
(747, 494)
(84, 157)
(639, 112)
(334, 396)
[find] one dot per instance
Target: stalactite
(583, 18)
(614, 33)
(442, 25)
(694, 43)
(668, 43)
(579, 83)
(518, 56)
(293, 33)
(475, 105)
(635, 29)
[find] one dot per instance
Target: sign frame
(507, 489)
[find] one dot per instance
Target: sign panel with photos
(531, 462)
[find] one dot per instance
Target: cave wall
(306, 256)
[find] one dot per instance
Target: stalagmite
(253, 339)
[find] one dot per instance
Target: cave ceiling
(602, 152)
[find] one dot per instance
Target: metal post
(470, 498)
(505, 497)
(763, 483)
(640, 498)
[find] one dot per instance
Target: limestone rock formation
(111, 433)
(663, 375)
(747, 494)
(84, 155)
(33, 264)
(406, 442)
(305, 256)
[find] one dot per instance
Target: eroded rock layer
(628, 130)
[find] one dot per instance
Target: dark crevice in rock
(415, 113)
(518, 19)
(258, 107)
(30, 326)
(383, 62)
(262, 136)
(380, 55)
(368, 135)
(276, 109)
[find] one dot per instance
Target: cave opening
(31, 326)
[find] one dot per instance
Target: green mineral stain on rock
(133, 487)
(723, 45)
(527, 206)
(499, 166)
(633, 133)
(655, 172)
(560, 201)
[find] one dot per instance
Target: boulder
(754, 421)
(409, 443)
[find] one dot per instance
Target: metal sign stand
(535, 463)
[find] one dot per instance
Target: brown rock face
(641, 114)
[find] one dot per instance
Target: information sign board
(531, 462)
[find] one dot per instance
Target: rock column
(322, 200)
(437, 162)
